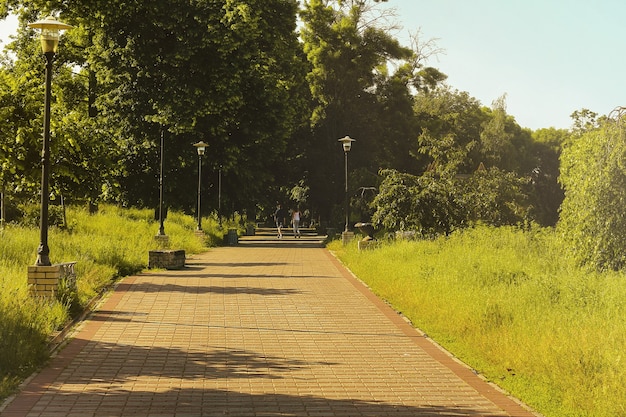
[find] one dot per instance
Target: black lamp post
(346, 141)
(161, 214)
(50, 31)
(219, 196)
(201, 147)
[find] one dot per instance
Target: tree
(495, 197)
(227, 72)
(593, 174)
(503, 143)
(21, 108)
(356, 92)
(584, 120)
(451, 124)
(547, 194)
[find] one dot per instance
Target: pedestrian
(295, 221)
(279, 218)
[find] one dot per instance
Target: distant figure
(279, 218)
(295, 221)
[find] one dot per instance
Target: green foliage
(547, 193)
(426, 204)
(30, 215)
(269, 97)
(362, 83)
(511, 305)
(434, 205)
(67, 295)
(592, 215)
(228, 72)
(459, 134)
(496, 197)
(451, 125)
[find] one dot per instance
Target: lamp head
(346, 141)
(201, 146)
(50, 33)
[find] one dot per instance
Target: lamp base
(163, 241)
(346, 237)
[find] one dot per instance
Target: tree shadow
(118, 363)
(151, 287)
(130, 316)
(220, 403)
(193, 265)
(229, 276)
(115, 384)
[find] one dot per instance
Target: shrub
(437, 205)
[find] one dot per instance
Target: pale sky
(550, 57)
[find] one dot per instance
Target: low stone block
(367, 244)
(347, 237)
(167, 259)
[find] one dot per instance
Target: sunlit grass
(508, 304)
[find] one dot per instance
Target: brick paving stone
(254, 330)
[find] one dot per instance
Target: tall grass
(511, 306)
(111, 243)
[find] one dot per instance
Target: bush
(31, 213)
(436, 205)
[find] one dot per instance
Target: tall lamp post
(201, 147)
(219, 196)
(50, 33)
(161, 234)
(346, 141)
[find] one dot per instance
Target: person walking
(295, 221)
(279, 218)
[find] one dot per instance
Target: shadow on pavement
(113, 374)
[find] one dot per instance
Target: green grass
(109, 244)
(510, 305)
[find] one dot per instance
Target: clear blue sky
(551, 57)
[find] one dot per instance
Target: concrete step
(286, 231)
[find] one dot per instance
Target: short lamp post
(50, 33)
(201, 147)
(347, 145)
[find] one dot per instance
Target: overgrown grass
(111, 243)
(510, 305)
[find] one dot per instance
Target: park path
(264, 328)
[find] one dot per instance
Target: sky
(550, 57)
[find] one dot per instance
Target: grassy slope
(510, 305)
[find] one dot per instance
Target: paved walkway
(279, 329)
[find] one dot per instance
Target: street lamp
(50, 32)
(201, 147)
(346, 141)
